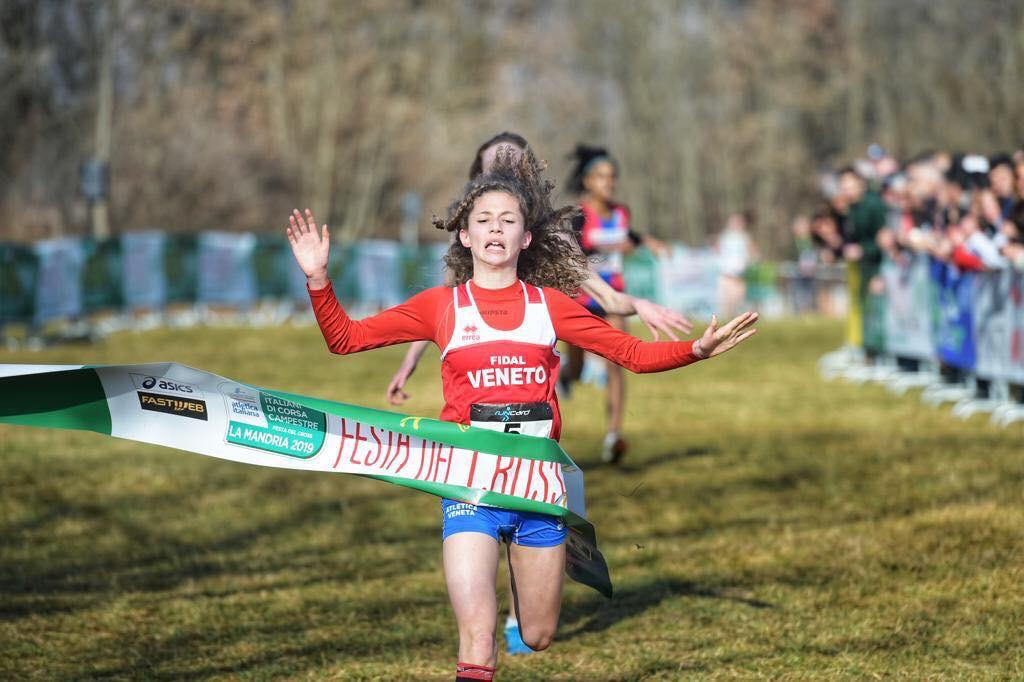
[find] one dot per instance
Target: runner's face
(600, 181)
(491, 153)
(496, 232)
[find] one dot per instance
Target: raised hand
(658, 318)
(311, 247)
(716, 341)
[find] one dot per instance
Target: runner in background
(513, 265)
(605, 235)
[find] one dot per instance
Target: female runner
(511, 266)
(657, 318)
(606, 237)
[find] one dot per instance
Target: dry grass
(766, 524)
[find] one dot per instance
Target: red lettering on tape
(502, 472)
(380, 448)
(472, 469)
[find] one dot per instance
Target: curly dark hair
(553, 258)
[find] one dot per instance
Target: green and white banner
(189, 409)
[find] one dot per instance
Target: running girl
(606, 236)
(513, 270)
(658, 319)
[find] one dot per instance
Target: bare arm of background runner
(656, 317)
(396, 396)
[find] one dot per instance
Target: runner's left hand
(716, 341)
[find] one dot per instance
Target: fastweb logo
(192, 408)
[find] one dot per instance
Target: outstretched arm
(574, 324)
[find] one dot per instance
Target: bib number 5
(529, 419)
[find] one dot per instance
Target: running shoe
(614, 448)
(514, 641)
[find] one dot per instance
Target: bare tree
(228, 114)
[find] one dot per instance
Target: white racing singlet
(502, 380)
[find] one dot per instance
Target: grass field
(766, 524)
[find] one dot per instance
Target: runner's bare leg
(537, 576)
(470, 570)
(616, 384)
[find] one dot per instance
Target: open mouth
(495, 247)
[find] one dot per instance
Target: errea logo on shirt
(469, 333)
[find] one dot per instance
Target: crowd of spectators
(963, 209)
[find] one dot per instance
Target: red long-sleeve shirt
(429, 315)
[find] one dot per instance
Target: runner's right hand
(658, 318)
(310, 247)
(397, 396)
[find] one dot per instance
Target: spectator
(735, 253)
(1019, 174)
(807, 264)
(1002, 181)
(979, 243)
(1013, 249)
(827, 235)
(866, 216)
(951, 197)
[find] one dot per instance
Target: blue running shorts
(527, 529)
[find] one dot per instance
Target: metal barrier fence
(958, 335)
(81, 287)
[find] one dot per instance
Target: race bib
(530, 419)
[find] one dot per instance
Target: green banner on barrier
(271, 258)
(101, 275)
(640, 270)
(19, 268)
(181, 268)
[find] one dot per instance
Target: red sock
(465, 672)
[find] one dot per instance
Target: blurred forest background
(225, 114)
